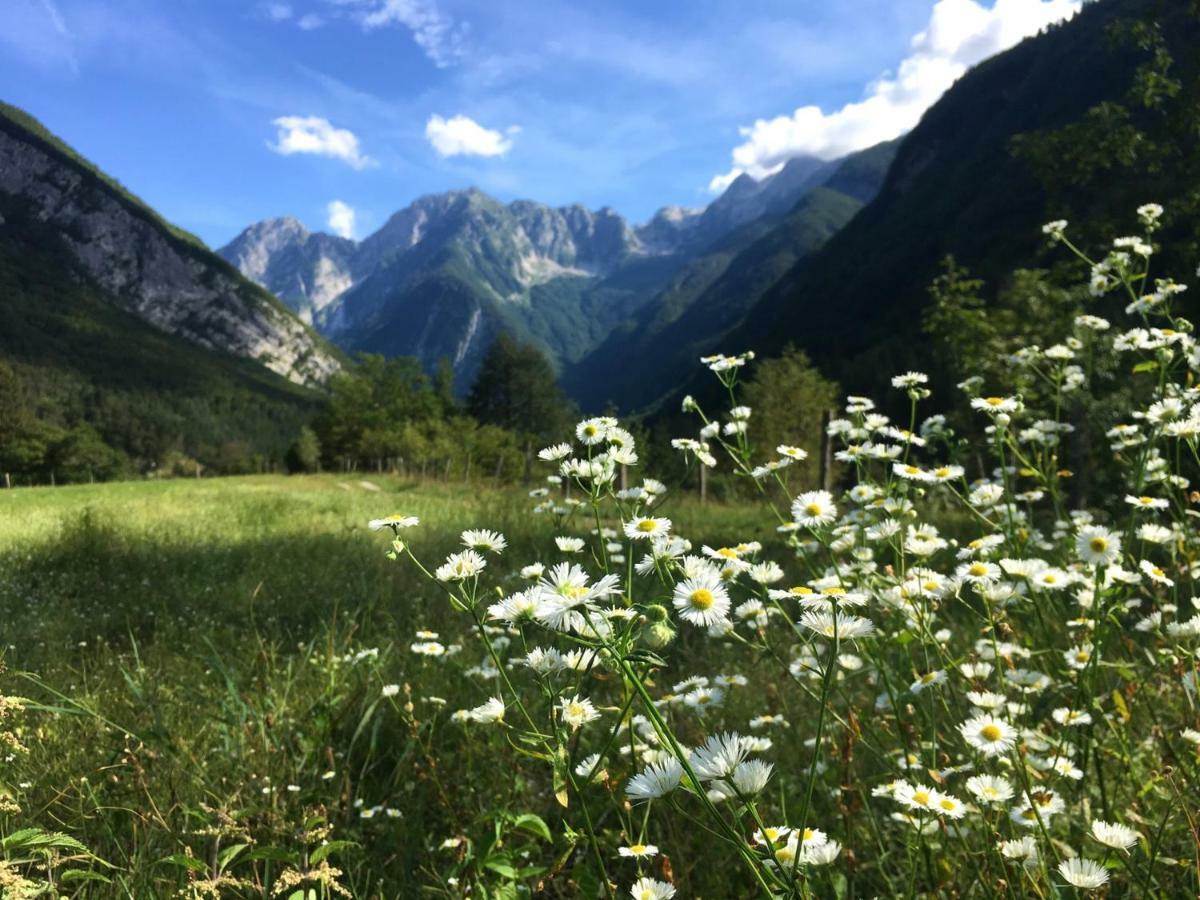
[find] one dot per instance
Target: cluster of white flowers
(985, 676)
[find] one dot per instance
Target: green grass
(185, 644)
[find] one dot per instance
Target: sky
(220, 113)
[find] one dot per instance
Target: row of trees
(388, 414)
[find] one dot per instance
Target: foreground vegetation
(967, 669)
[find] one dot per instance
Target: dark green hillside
(648, 356)
(987, 165)
(90, 390)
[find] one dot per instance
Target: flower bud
(659, 635)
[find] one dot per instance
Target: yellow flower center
(994, 401)
(978, 570)
(1098, 544)
(803, 591)
(701, 599)
(809, 834)
(948, 804)
(942, 472)
(647, 525)
(921, 797)
(912, 470)
(1082, 656)
(991, 732)
(637, 849)
(813, 509)
(727, 552)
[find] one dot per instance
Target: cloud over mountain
(318, 137)
(462, 136)
(960, 33)
(341, 218)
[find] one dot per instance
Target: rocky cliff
(159, 274)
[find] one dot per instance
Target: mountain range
(447, 273)
(104, 305)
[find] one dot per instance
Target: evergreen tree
(517, 389)
(305, 453)
(788, 397)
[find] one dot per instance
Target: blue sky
(220, 113)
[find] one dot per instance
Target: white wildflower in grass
(1023, 850)
(702, 600)
(820, 855)
(909, 380)
(916, 796)
(650, 889)
(1055, 230)
(1079, 656)
(638, 851)
(577, 711)
(979, 572)
(485, 540)
(390, 690)
(751, 777)
(718, 756)
(1149, 214)
(1119, 837)
(989, 735)
(395, 522)
(1155, 573)
(646, 528)
(1083, 874)
(656, 780)
(1097, 546)
(843, 627)
(1147, 502)
(569, 544)
(985, 699)
(929, 679)
(428, 648)
(555, 452)
(814, 509)
(990, 788)
(996, 405)
(492, 711)
(460, 566)
(591, 432)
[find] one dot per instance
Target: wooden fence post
(826, 474)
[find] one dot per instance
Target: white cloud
(459, 135)
(960, 33)
(312, 134)
(340, 218)
(309, 21)
(441, 38)
(277, 12)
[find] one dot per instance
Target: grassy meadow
(206, 661)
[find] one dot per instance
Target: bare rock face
(306, 270)
(161, 276)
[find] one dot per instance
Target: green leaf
(227, 855)
(327, 849)
(535, 825)
(82, 875)
(184, 862)
(501, 867)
